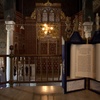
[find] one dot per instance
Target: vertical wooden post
(11, 66)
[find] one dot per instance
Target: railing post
(11, 66)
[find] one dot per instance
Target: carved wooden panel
(48, 65)
(30, 37)
(52, 48)
(43, 48)
(43, 65)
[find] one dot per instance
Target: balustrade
(31, 69)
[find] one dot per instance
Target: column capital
(9, 25)
(87, 28)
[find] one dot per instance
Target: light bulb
(22, 27)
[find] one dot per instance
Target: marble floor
(45, 93)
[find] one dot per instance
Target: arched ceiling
(70, 7)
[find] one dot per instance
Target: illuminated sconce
(47, 29)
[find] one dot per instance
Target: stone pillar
(10, 29)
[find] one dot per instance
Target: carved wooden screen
(48, 47)
(48, 44)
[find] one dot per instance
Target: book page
(82, 60)
(72, 61)
(85, 60)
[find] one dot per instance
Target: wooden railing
(30, 69)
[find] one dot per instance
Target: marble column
(10, 30)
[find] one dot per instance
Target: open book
(85, 61)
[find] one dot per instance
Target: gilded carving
(75, 23)
(68, 29)
(63, 15)
(33, 15)
(48, 3)
(68, 24)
